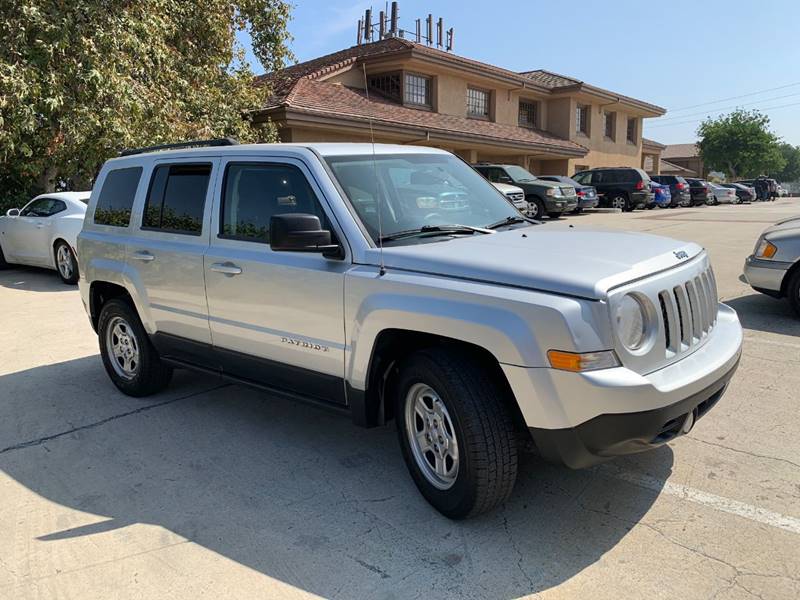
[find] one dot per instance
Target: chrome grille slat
(688, 312)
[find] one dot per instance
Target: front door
(166, 255)
(276, 317)
(32, 231)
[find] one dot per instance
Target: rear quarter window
(115, 203)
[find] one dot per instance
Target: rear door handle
(228, 268)
(143, 255)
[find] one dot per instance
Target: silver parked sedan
(774, 266)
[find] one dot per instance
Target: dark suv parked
(678, 187)
(618, 187)
(698, 188)
(544, 197)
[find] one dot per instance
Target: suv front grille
(515, 196)
(568, 190)
(688, 312)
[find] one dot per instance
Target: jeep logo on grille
(680, 254)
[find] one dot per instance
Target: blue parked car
(661, 195)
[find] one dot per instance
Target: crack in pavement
(47, 438)
(748, 453)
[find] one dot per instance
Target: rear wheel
(130, 359)
(621, 202)
(66, 264)
(455, 432)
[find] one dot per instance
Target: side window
(177, 199)
(43, 207)
(116, 198)
(582, 178)
(494, 174)
(599, 177)
(254, 192)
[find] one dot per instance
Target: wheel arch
(374, 405)
(100, 292)
(795, 268)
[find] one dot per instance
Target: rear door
(165, 256)
(277, 318)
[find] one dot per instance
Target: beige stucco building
(405, 92)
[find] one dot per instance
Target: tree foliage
(791, 171)
(740, 144)
(80, 80)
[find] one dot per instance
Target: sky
(696, 58)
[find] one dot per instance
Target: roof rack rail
(226, 141)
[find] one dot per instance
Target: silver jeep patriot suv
(394, 282)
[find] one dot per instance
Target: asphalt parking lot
(216, 491)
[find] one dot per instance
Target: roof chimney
(381, 25)
(368, 25)
(393, 22)
(429, 27)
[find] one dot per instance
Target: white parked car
(515, 195)
(721, 195)
(44, 233)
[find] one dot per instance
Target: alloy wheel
(122, 348)
(64, 261)
(431, 436)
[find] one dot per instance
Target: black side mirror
(298, 232)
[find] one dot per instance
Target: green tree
(740, 144)
(81, 80)
(791, 171)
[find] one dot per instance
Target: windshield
(519, 174)
(411, 191)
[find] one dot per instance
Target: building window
(582, 119)
(417, 90)
(477, 103)
(609, 124)
(528, 114)
(631, 130)
(387, 84)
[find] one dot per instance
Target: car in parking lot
(275, 266)
(744, 193)
(44, 233)
(718, 194)
(515, 195)
(698, 188)
(544, 197)
(774, 266)
(661, 195)
(625, 188)
(678, 188)
(587, 195)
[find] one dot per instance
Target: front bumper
(580, 419)
(557, 204)
(765, 275)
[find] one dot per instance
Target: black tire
(3, 263)
(68, 272)
(793, 291)
(554, 215)
(538, 205)
(482, 425)
(150, 374)
(621, 201)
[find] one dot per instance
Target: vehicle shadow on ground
(33, 279)
(292, 491)
(760, 312)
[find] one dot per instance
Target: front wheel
(535, 208)
(455, 432)
(130, 359)
(66, 264)
(793, 291)
(3, 263)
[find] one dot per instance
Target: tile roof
(680, 151)
(671, 168)
(652, 143)
(549, 79)
(341, 102)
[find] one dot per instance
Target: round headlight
(631, 322)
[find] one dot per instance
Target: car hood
(792, 224)
(557, 258)
(507, 189)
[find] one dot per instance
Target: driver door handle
(143, 255)
(228, 268)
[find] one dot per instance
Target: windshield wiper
(512, 220)
(432, 230)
